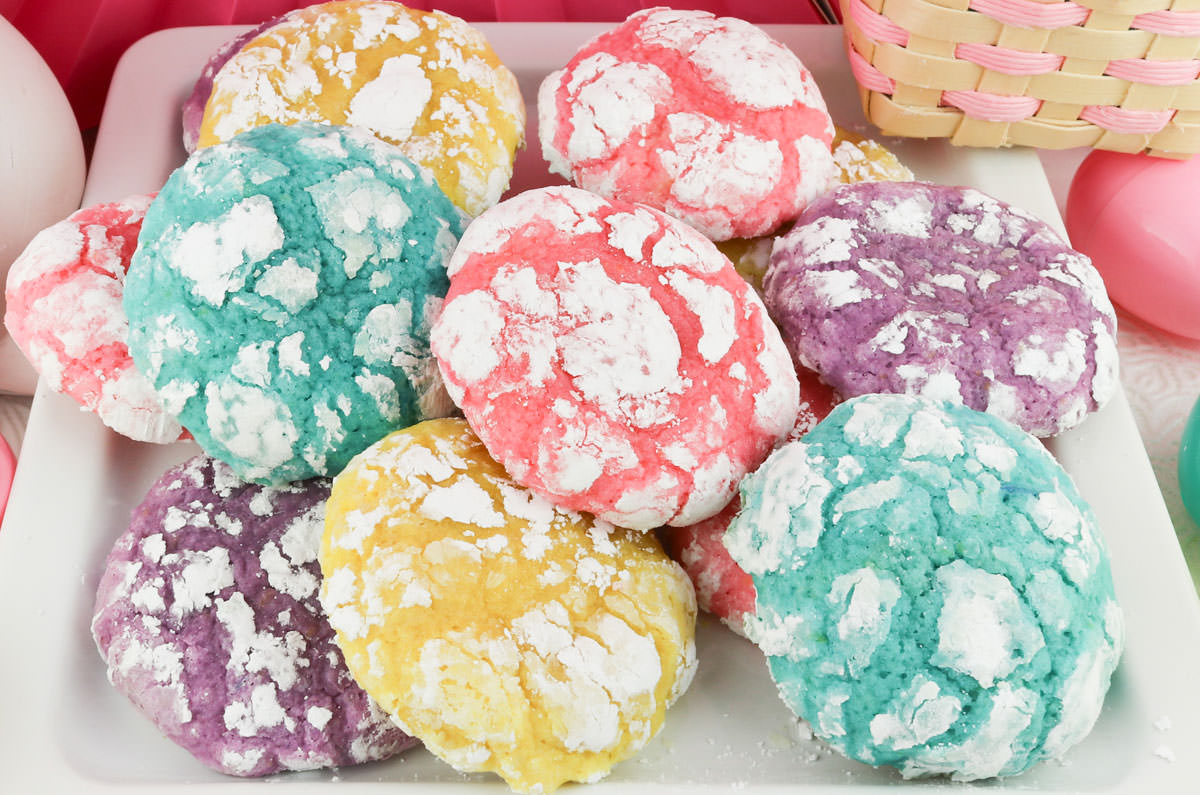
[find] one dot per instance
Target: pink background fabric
(82, 40)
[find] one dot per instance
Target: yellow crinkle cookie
(858, 159)
(861, 159)
(426, 81)
(505, 633)
(750, 256)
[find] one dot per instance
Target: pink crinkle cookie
(723, 588)
(611, 358)
(707, 118)
(64, 313)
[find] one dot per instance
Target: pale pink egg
(1135, 216)
(42, 169)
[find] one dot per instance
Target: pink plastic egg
(1138, 218)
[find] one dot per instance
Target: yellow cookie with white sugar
(423, 80)
(861, 159)
(749, 256)
(508, 635)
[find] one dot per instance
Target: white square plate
(63, 728)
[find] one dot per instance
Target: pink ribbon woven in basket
(1008, 60)
(992, 107)
(1030, 14)
(1123, 120)
(1158, 73)
(868, 76)
(1163, 130)
(876, 25)
(1169, 23)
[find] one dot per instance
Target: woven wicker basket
(1112, 74)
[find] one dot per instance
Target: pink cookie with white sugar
(64, 312)
(723, 588)
(611, 358)
(706, 118)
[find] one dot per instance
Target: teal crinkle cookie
(933, 593)
(282, 293)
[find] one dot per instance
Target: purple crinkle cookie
(207, 617)
(192, 110)
(949, 293)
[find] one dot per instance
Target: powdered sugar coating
(722, 587)
(192, 112)
(64, 312)
(425, 81)
(858, 159)
(706, 118)
(282, 297)
(208, 620)
(948, 293)
(506, 633)
(611, 358)
(932, 591)
(862, 159)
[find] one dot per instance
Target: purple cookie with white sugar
(208, 620)
(948, 293)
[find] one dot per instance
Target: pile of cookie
(449, 440)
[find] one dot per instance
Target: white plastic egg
(42, 169)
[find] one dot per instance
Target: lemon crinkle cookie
(423, 80)
(505, 633)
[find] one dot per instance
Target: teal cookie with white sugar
(933, 593)
(282, 293)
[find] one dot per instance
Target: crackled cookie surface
(857, 159)
(192, 111)
(423, 80)
(722, 587)
(507, 634)
(948, 293)
(706, 118)
(281, 299)
(208, 619)
(862, 159)
(611, 358)
(64, 312)
(932, 591)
